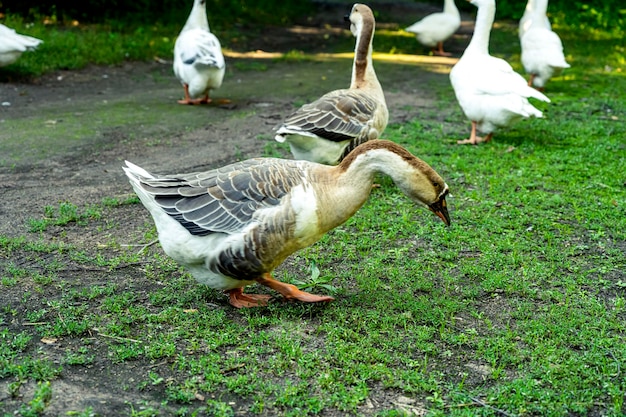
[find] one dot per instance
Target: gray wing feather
(224, 199)
(338, 116)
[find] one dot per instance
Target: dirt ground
(81, 125)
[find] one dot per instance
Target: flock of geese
(232, 226)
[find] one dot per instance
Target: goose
(231, 226)
(435, 28)
(326, 130)
(530, 16)
(198, 61)
(542, 50)
(489, 92)
(12, 45)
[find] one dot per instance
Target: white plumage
(13, 45)
(490, 93)
(542, 50)
(198, 60)
(436, 28)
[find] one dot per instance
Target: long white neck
(482, 29)
(449, 7)
(197, 18)
(363, 73)
(540, 7)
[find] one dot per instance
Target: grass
(519, 308)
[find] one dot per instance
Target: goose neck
(362, 68)
(539, 7)
(482, 29)
(197, 18)
(449, 7)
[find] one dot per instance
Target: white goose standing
(231, 226)
(542, 49)
(436, 28)
(13, 45)
(326, 130)
(490, 93)
(198, 60)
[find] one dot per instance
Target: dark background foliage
(604, 14)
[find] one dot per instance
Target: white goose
(198, 60)
(490, 93)
(12, 45)
(231, 226)
(326, 130)
(529, 17)
(435, 28)
(542, 50)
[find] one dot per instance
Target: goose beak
(440, 209)
(346, 18)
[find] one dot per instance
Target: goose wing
(337, 116)
(199, 46)
(226, 199)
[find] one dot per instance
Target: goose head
(414, 177)
(423, 185)
(358, 17)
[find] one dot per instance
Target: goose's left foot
(238, 299)
(473, 139)
(291, 292)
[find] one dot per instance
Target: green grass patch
(519, 308)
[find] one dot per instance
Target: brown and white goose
(231, 226)
(326, 130)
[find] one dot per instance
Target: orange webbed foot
(291, 292)
(238, 299)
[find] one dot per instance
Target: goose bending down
(233, 225)
(13, 45)
(326, 130)
(435, 28)
(198, 61)
(542, 50)
(490, 93)
(529, 17)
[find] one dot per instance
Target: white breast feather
(304, 204)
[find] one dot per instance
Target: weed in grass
(87, 412)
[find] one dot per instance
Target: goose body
(489, 92)
(198, 60)
(13, 45)
(436, 28)
(233, 225)
(327, 129)
(542, 50)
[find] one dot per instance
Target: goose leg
(203, 100)
(473, 139)
(291, 292)
(439, 50)
(238, 299)
(187, 99)
(531, 79)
